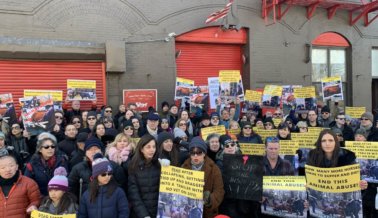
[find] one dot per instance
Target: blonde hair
(117, 139)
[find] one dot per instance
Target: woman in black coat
(144, 179)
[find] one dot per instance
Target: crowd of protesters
(103, 163)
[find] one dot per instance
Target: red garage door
(203, 53)
(50, 75)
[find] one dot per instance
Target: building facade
(137, 44)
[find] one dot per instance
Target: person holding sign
(229, 147)
(213, 190)
(328, 153)
(247, 135)
(144, 179)
(367, 120)
(339, 123)
(103, 199)
(274, 165)
(59, 201)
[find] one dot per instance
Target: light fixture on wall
(307, 53)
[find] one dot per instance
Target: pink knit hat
(59, 181)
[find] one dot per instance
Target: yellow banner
(334, 180)
(56, 94)
(305, 140)
(38, 214)
(266, 133)
(229, 76)
(363, 150)
(253, 96)
(273, 90)
(331, 79)
(185, 81)
(288, 147)
(221, 130)
(234, 131)
(181, 181)
(290, 183)
(81, 84)
(305, 92)
(276, 121)
(355, 112)
(252, 149)
(315, 130)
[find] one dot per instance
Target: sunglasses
(198, 153)
(105, 122)
(182, 124)
(230, 145)
(277, 114)
(59, 117)
(91, 118)
(106, 174)
(108, 111)
(364, 119)
(341, 118)
(215, 118)
(49, 146)
(339, 135)
(268, 124)
(76, 122)
(247, 127)
(272, 139)
(128, 128)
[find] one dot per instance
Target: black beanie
(164, 136)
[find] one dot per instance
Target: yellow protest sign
(252, 149)
(229, 76)
(305, 92)
(273, 90)
(234, 131)
(221, 130)
(305, 140)
(363, 150)
(81, 84)
(266, 133)
(253, 96)
(56, 94)
(290, 183)
(38, 214)
(288, 147)
(331, 79)
(183, 81)
(355, 112)
(181, 181)
(315, 130)
(334, 180)
(276, 121)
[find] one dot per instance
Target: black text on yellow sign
(363, 150)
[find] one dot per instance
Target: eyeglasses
(198, 153)
(106, 174)
(341, 118)
(277, 114)
(105, 122)
(76, 122)
(247, 127)
(128, 128)
(230, 145)
(49, 146)
(91, 118)
(272, 139)
(59, 117)
(108, 111)
(215, 118)
(364, 119)
(16, 127)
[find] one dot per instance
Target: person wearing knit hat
(259, 123)
(268, 123)
(214, 119)
(91, 121)
(360, 135)
(204, 122)
(367, 116)
(104, 198)
(325, 118)
(168, 153)
(367, 123)
(213, 191)
(59, 201)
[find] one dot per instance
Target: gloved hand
(206, 198)
(164, 162)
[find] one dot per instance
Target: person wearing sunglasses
(213, 190)
(325, 118)
(247, 135)
(107, 111)
(58, 130)
(78, 123)
(340, 124)
(268, 123)
(19, 143)
(144, 178)
(129, 129)
(110, 129)
(104, 199)
(91, 121)
(229, 146)
(214, 119)
(43, 163)
(367, 120)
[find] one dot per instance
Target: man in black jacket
(340, 124)
(80, 175)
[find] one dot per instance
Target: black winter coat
(83, 171)
(143, 192)
(68, 145)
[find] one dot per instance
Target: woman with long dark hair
(167, 150)
(104, 198)
(144, 178)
